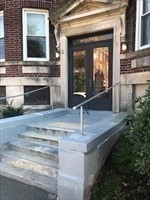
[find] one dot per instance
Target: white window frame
(2, 14)
(139, 12)
(25, 11)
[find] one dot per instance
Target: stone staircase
(42, 147)
(33, 158)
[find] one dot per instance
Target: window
(35, 35)
(41, 97)
(2, 94)
(2, 51)
(143, 24)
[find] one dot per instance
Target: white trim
(2, 14)
(138, 25)
(24, 25)
(114, 24)
(139, 8)
(100, 11)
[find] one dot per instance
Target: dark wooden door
(90, 72)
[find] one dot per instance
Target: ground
(14, 190)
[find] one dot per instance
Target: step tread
(35, 147)
(51, 127)
(30, 158)
(29, 165)
(29, 177)
(41, 136)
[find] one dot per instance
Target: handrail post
(51, 91)
(81, 119)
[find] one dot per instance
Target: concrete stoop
(32, 159)
(53, 155)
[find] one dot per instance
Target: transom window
(143, 24)
(35, 35)
(2, 48)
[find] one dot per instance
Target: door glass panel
(100, 69)
(79, 73)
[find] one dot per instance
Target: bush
(119, 180)
(139, 133)
(10, 111)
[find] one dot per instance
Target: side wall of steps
(81, 158)
(11, 127)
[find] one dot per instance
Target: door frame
(66, 32)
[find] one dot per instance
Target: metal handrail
(33, 91)
(88, 100)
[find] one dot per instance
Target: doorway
(90, 71)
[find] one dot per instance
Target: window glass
(145, 23)
(100, 69)
(41, 97)
(2, 94)
(146, 30)
(36, 47)
(35, 24)
(79, 73)
(93, 39)
(2, 52)
(146, 6)
(1, 26)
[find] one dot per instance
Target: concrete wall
(81, 159)
(15, 86)
(132, 86)
(10, 127)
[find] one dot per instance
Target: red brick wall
(126, 67)
(130, 25)
(13, 32)
(2, 4)
(13, 26)
(16, 71)
(125, 64)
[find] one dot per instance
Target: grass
(118, 179)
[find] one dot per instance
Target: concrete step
(30, 157)
(50, 130)
(32, 136)
(25, 161)
(35, 149)
(29, 177)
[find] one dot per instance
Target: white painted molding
(2, 70)
(36, 70)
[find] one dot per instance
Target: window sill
(138, 53)
(2, 60)
(27, 63)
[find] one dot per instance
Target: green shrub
(139, 133)
(10, 111)
(123, 157)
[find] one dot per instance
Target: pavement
(15, 190)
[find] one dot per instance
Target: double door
(90, 72)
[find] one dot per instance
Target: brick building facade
(26, 64)
(14, 69)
